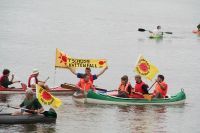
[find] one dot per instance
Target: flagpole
(54, 79)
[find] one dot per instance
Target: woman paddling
(30, 105)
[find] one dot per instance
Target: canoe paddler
(92, 77)
(4, 79)
(157, 31)
(198, 27)
(140, 88)
(125, 88)
(161, 88)
(30, 105)
(85, 84)
(33, 80)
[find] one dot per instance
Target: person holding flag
(33, 80)
(30, 105)
(92, 77)
(161, 87)
(140, 88)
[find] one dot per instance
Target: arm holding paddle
(13, 76)
(143, 30)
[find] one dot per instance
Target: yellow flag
(46, 98)
(145, 68)
(64, 61)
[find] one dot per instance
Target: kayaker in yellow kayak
(33, 80)
(92, 77)
(125, 88)
(30, 105)
(161, 88)
(4, 79)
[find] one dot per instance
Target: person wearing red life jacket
(85, 84)
(92, 77)
(33, 80)
(125, 88)
(140, 88)
(4, 79)
(161, 87)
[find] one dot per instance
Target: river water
(30, 31)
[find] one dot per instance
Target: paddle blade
(168, 32)
(148, 97)
(141, 30)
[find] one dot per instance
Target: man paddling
(92, 77)
(140, 88)
(30, 105)
(198, 27)
(157, 31)
(33, 80)
(4, 79)
(161, 87)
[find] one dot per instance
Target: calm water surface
(30, 31)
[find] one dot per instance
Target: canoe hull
(95, 98)
(25, 119)
(55, 90)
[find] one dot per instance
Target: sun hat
(35, 71)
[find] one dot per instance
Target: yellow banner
(46, 98)
(145, 68)
(64, 61)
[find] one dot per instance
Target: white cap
(35, 71)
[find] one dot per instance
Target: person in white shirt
(157, 31)
(33, 80)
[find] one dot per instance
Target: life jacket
(123, 88)
(158, 89)
(85, 86)
(138, 88)
(29, 80)
(91, 78)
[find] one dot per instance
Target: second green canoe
(98, 98)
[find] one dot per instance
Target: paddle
(148, 96)
(50, 113)
(152, 86)
(143, 30)
(46, 79)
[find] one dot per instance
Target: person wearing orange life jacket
(92, 77)
(160, 88)
(140, 88)
(85, 84)
(33, 80)
(125, 88)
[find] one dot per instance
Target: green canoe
(98, 98)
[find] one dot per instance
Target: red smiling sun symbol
(143, 67)
(63, 58)
(102, 62)
(46, 96)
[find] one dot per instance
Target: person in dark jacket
(4, 79)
